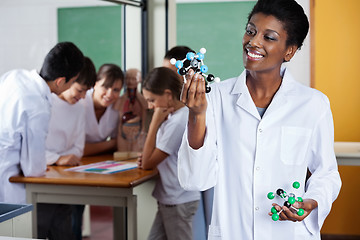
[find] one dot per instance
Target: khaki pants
(173, 222)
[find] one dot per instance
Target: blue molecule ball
(190, 55)
(178, 64)
(200, 56)
(204, 68)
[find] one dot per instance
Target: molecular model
(196, 63)
(289, 200)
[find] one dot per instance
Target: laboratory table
(68, 187)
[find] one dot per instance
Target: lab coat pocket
(294, 145)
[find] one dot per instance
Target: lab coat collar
(42, 85)
(280, 99)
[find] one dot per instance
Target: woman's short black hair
(63, 60)
(290, 13)
(111, 73)
(162, 78)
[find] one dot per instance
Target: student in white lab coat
(64, 147)
(101, 118)
(25, 109)
(259, 132)
(176, 206)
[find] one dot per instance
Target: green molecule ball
(300, 212)
(291, 200)
(273, 210)
(296, 185)
(271, 195)
(275, 217)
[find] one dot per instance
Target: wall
(31, 36)
(337, 61)
(337, 38)
(29, 31)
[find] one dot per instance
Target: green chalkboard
(96, 31)
(219, 27)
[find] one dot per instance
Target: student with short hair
(25, 109)
(65, 142)
(64, 147)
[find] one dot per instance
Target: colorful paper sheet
(105, 167)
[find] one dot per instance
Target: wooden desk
(116, 190)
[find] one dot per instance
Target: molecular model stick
(196, 63)
(289, 200)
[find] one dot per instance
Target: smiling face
(104, 97)
(74, 93)
(264, 44)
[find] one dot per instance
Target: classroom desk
(347, 153)
(116, 190)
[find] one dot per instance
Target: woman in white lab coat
(101, 118)
(259, 132)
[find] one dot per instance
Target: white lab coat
(66, 130)
(25, 105)
(98, 131)
(245, 157)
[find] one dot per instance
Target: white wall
(300, 64)
(28, 30)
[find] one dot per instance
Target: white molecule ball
(173, 61)
(203, 50)
(217, 80)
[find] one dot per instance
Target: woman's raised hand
(193, 96)
(193, 93)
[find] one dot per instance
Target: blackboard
(97, 31)
(219, 27)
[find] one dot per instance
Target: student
(176, 207)
(201, 220)
(25, 108)
(64, 147)
(65, 142)
(259, 132)
(132, 109)
(101, 119)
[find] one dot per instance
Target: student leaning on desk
(261, 131)
(64, 146)
(176, 207)
(101, 118)
(25, 109)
